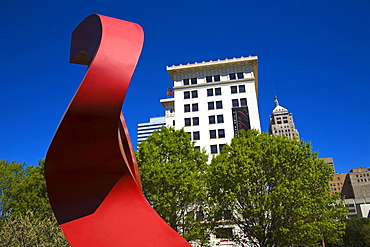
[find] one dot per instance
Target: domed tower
(281, 122)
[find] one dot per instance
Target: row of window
(214, 91)
(214, 78)
(338, 184)
(211, 120)
(360, 175)
(213, 134)
(363, 180)
(215, 105)
(215, 149)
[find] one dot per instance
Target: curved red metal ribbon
(92, 176)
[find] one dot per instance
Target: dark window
(186, 82)
(186, 108)
(218, 91)
(241, 88)
(173, 122)
(220, 118)
(195, 121)
(187, 122)
(211, 120)
(212, 134)
(199, 216)
(193, 80)
(213, 149)
(211, 105)
(218, 104)
(232, 76)
(216, 78)
(224, 233)
(197, 147)
(196, 135)
(285, 121)
(221, 146)
(279, 122)
(208, 79)
(194, 94)
(221, 133)
(210, 92)
(186, 95)
(240, 75)
(234, 89)
(235, 103)
(243, 102)
(194, 107)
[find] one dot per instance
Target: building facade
(146, 129)
(214, 100)
(281, 122)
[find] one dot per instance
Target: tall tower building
(214, 100)
(281, 122)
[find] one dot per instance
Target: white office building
(214, 100)
(146, 129)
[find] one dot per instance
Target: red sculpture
(91, 172)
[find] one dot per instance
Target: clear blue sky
(317, 53)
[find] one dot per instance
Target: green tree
(357, 232)
(23, 189)
(277, 190)
(171, 173)
(28, 230)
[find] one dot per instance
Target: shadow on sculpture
(92, 177)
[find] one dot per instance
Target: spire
(276, 101)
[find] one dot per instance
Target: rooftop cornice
(218, 63)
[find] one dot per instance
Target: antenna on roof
(275, 97)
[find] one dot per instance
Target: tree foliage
(28, 230)
(357, 232)
(26, 218)
(277, 190)
(23, 189)
(171, 173)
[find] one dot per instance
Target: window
(240, 75)
(173, 122)
(186, 95)
(199, 216)
(218, 91)
(221, 133)
(211, 105)
(213, 149)
(220, 118)
(216, 78)
(232, 76)
(234, 89)
(193, 80)
(235, 103)
(212, 134)
(187, 108)
(221, 146)
(241, 88)
(218, 104)
(196, 147)
(186, 82)
(196, 135)
(195, 121)
(224, 233)
(211, 120)
(210, 92)
(194, 107)
(209, 79)
(194, 94)
(243, 102)
(187, 122)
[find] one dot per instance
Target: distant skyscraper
(281, 122)
(146, 129)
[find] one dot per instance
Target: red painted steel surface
(91, 172)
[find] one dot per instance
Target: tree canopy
(357, 232)
(26, 218)
(277, 191)
(171, 173)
